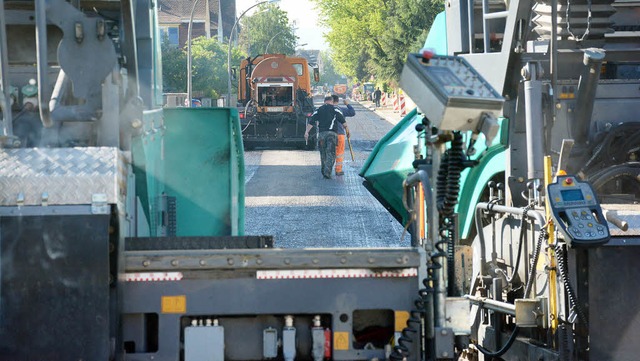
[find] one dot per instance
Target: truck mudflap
(55, 284)
(360, 298)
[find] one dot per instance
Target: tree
(174, 65)
(373, 37)
(268, 26)
(209, 62)
(328, 73)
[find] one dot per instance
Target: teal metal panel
(473, 181)
(437, 38)
(148, 167)
(204, 161)
(391, 160)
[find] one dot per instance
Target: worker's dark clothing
(376, 97)
(326, 119)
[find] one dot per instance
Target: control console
(577, 213)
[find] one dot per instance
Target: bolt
(146, 263)
(174, 263)
(203, 262)
(371, 260)
(445, 354)
(443, 332)
(287, 261)
(315, 261)
(230, 261)
(259, 261)
(343, 260)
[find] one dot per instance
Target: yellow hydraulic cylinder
(553, 295)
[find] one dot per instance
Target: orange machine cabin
(262, 82)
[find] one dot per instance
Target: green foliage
(329, 75)
(209, 67)
(372, 38)
(174, 69)
(268, 29)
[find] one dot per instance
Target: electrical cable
(536, 254)
(448, 188)
(504, 348)
(523, 232)
(574, 305)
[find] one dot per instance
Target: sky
(305, 16)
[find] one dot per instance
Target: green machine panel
(204, 170)
(390, 162)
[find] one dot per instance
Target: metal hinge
(99, 204)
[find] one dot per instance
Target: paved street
(286, 195)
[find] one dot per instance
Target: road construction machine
(122, 223)
(519, 174)
(275, 100)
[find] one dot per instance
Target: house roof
(177, 11)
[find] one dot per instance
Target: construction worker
(325, 119)
(347, 111)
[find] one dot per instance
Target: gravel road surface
(287, 197)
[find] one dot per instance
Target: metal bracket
(99, 204)
(444, 343)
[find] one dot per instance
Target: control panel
(449, 91)
(577, 213)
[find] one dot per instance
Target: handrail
(43, 63)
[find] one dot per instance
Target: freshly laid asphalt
(287, 197)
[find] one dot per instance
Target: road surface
(287, 197)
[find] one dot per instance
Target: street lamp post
(266, 50)
(229, 50)
(193, 8)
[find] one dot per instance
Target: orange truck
(340, 89)
(275, 101)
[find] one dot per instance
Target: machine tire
(626, 174)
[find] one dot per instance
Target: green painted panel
(204, 162)
(148, 167)
(391, 160)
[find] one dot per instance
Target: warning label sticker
(174, 304)
(341, 341)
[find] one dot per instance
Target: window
(170, 33)
(298, 68)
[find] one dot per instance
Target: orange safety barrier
(403, 107)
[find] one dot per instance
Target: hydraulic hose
(504, 348)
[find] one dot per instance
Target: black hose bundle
(448, 188)
(574, 305)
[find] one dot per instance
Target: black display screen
(572, 195)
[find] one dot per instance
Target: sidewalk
(385, 112)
